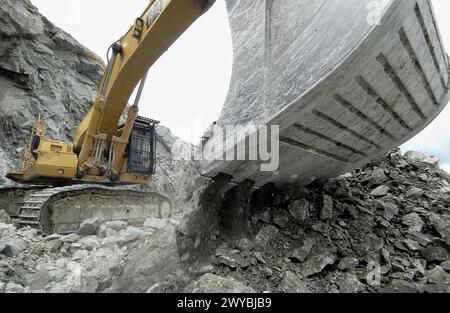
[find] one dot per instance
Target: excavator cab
(141, 149)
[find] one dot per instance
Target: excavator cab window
(35, 142)
(141, 149)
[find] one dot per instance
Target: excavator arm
(99, 150)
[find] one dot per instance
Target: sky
(187, 87)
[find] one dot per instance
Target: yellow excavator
(104, 151)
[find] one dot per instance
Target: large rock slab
(343, 86)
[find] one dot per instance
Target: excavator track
(63, 209)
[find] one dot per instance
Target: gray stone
(439, 276)
(441, 226)
(156, 223)
(281, 221)
(349, 283)
(295, 93)
(4, 217)
(348, 263)
(378, 177)
(54, 245)
(432, 160)
(89, 226)
(300, 254)
(39, 280)
(233, 260)
(80, 255)
(446, 265)
(414, 193)
(265, 217)
(432, 288)
(317, 264)
(433, 253)
(37, 72)
(327, 208)
(71, 238)
(380, 191)
(390, 210)
(413, 221)
(300, 209)
(210, 283)
(244, 244)
(101, 231)
(265, 235)
(445, 190)
(292, 283)
(415, 155)
(116, 225)
(400, 286)
(12, 287)
(12, 247)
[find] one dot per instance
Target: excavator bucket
(345, 82)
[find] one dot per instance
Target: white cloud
(446, 167)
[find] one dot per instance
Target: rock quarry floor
(383, 228)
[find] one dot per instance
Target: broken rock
(317, 264)
(292, 283)
(265, 235)
(89, 226)
(300, 209)
(349, 283)
(348, 263)
(433, 253)
(4, 217)
(380, 191)
(413, 221)
(300, 254)
(12, 247)
(155, 223)
(327, 208)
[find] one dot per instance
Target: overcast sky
(187, 87)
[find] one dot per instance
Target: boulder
(349, 283)
(326, 212)
(156, 223)
(265, 235)
(300, 209)
(300, 254)
(317, 264)
(4, 217)
(12, 246)
(71, 238)
(413, 221)
(380, 191)
(415, 156)
(89, 226)
(116, 225)
(293, 283)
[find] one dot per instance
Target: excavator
(343, 87)
(106, 154)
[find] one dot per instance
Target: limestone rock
(300, 209)
(292, 283)
(265, 235)
(89, 226)
(156, 223)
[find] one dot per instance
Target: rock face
(343, 89)
(42, 70)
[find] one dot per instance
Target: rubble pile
(383, 228)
